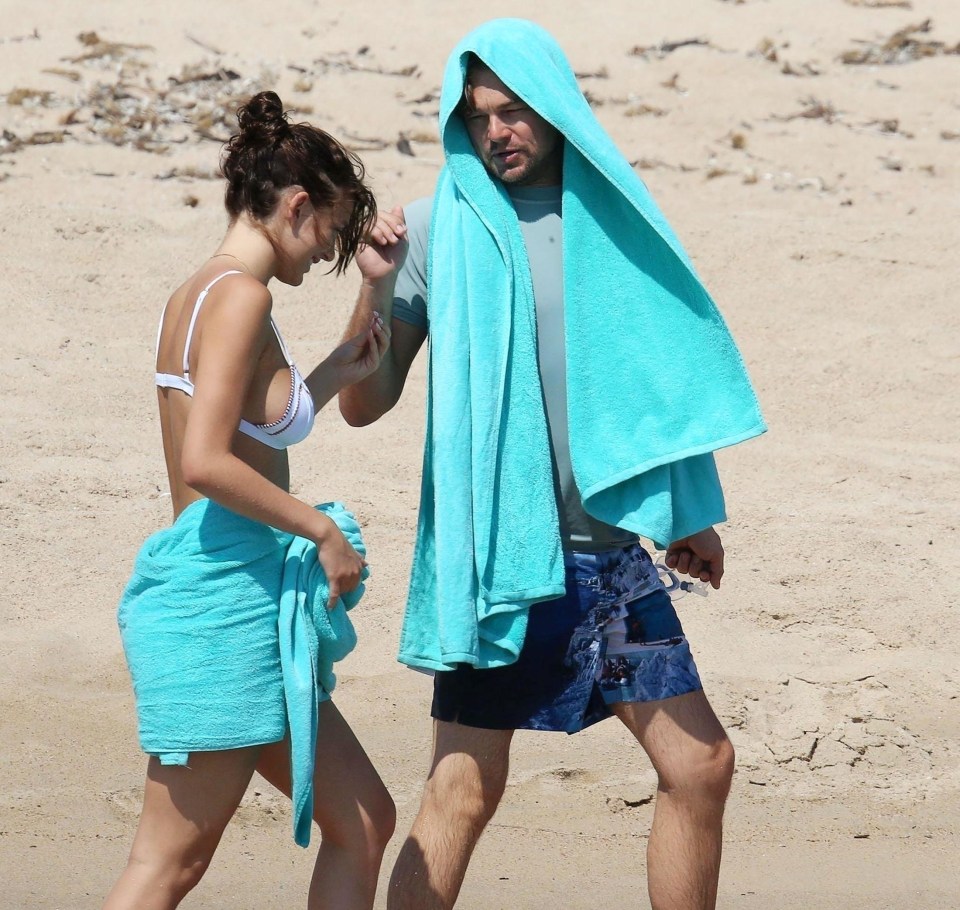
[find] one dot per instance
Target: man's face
(515, 143)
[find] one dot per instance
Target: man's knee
(467, 777)
(463, 794)
(705, 771)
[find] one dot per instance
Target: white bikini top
(297, 420)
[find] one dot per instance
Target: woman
(200, 616)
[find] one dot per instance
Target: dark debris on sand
(118, 102)
(903, 46)
(661, 50)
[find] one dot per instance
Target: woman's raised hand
(383, 251)
(360, 356)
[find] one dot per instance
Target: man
(580, 379)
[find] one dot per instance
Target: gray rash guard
(539, 212)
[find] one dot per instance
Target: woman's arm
(351, 362)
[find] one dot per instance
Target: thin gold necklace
(246, 268)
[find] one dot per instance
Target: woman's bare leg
(352, 807)
(185, 810)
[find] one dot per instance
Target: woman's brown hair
(269, 153)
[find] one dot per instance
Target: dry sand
(819, 200)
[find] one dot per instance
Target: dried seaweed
(643, 110)
(343, 62)
(203, 44)
(362, 143)
(647, 164)
(423, 138)
(11, 142)
(131, 109)
(16, 39)
(200, 100)
(47, 137)
(190, 173)
(768, 50)
(889, 126)
(100, 49)
(661, 50)
(202, 74)
(72, 75)
(674, 83)
(29, 97)
(717, 170)
(902, 46)
(813, 110)
(881, 4)
(803, 69)
(425, 99)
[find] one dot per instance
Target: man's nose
(497, 130)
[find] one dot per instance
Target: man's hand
(700, 555)
(383, 252)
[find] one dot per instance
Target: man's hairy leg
(466, 781)
(694, 762)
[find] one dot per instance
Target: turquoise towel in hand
(655, 382)
(312, 639)
(229, 641)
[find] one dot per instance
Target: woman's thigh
(186, 808)
(348, 794)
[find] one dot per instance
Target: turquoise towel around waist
(229, 641)
(655, 381)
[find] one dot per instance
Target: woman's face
(312, 235)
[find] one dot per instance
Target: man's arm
(370, 399)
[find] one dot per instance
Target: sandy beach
(808, 156)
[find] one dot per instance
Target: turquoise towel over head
(655, 381)
(229, 640)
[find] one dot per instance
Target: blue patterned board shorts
(613, 637)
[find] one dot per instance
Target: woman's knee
(382, 821)
(366, 832)
(177, 871)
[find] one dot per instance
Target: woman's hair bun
(268, 154)
(262, 118)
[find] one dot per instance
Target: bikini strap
(283, 347)
(193, 319)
